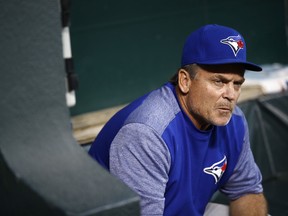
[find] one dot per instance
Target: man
(178, 144)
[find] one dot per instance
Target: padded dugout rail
(43, 171)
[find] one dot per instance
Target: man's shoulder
(238, 116)
(237, 111)
(157, 110)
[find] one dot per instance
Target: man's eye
(237, 85)
(218, 82)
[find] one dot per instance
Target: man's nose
(229, 92)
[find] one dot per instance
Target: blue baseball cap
(214, 45)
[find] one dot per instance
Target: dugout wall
(43, 171)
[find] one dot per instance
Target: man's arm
(249, 205)
(140, 158)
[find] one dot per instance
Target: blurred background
(122, 49)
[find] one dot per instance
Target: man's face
(212, 94)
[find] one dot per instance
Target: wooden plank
(87, 126)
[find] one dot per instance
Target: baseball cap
(215, 44)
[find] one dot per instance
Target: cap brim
(248, 65)
(252, 67)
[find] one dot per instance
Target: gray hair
(189, 68)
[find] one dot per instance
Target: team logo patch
(217, 169)
(234, 42)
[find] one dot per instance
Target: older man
(180, 143)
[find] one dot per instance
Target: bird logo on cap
(234, 42)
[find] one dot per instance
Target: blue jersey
(153, 146)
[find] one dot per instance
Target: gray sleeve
(246, 178)
(141, 159)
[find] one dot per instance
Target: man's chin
(222, 122)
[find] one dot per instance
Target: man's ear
(184, 81)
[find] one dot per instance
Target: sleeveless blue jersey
(200, 162)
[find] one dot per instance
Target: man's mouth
(225, 109)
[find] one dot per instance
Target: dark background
(122, 49)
